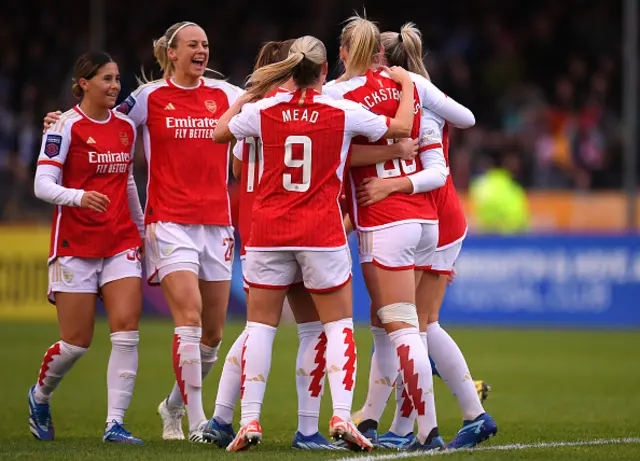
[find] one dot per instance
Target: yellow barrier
(23, 273)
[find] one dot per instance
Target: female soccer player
(396, 234)
(189, 238)
(310, 370)
(85, 170)
(305, 137)
(405, 49)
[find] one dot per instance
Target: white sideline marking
(514, 446)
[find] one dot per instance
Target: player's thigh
(171, 247)
(325, 275)
(73, 286)
(429, 295)
(215, 298)
(121, 288)
(301, 303)
(269, 275)
(182, 293)
(216, 258)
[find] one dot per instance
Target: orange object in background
(573, 212)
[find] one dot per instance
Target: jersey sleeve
(55, 144)
(237, 149)
(432, 98)
(362, 122)
(430, 131)
(135, 106)
(247, 123)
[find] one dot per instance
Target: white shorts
(319, 270)
(206, 250)
(443, 259)
(243, 262)
(69, 274)
(400, 247)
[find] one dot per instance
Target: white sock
(188, 369)
(342, 362)
(121, 374)
(416, 374)
(454, 370)
(256, 362)
(311, 364)
(57, 362)
(384, 368)
(404, 417)
(208, 358)
(229, 386)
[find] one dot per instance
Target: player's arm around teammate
(84, 169)
(274, 259)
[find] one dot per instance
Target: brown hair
(272, 52)
(361, 38)
(304, 64)
(87, 66)
(404, 49)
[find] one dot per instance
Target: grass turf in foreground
(547, 386)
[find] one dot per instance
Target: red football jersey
(188, 172)
(249, 152)
(94, 156)
(380, 94)
(305, 142)
(452, 225)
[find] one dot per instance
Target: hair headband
(173, 36)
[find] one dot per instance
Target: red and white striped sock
(57, 362)
(229, 386)
(256, 363)
(311, 366)
(208, 358)
(342, 362)
(188, 369)
(416, 373)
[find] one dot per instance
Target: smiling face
(189, 51)
(103, 88)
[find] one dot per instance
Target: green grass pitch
(548, 386)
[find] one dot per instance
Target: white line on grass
(514, 446)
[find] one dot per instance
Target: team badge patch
(211, 106)
(52, 145)
(124, 138)
(126, 105)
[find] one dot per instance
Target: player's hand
(95, 201)
(452, 276)
(408, 148)
(50, 119)
(372, 190)
(398, 74)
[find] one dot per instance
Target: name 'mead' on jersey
(305, 138)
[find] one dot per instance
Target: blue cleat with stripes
(394, 441)
(218, 433)
(474, 432)
(118, 434)
(40, 422)
(313, 442)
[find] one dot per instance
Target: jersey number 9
(304, 163)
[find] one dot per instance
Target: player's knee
(211, 337)
(124, 324)
(80, 339)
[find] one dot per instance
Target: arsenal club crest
(124, 138)
(211, 106)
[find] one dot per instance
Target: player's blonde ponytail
(304, 63)
(273, 52)
(361, 38)
(404, 49)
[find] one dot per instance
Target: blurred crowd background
(543, 78)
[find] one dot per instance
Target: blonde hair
(361, 38)
(304, 64)
(161, 47)
(404, 49)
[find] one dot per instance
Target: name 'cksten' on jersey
(385, 94)
(192, 127)
(110, 162)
